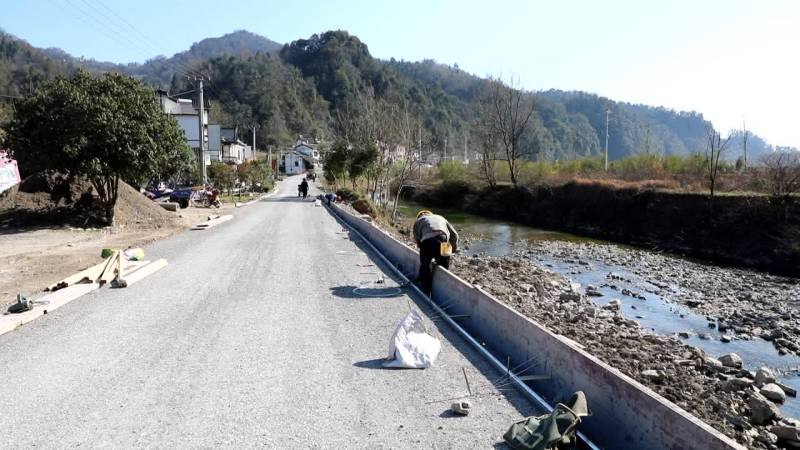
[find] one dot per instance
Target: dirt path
(32, 259)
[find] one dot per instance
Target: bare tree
(715, 147)
(409, 129)
(783, 172)
(745, 135)
(507, 113)
(489, 149)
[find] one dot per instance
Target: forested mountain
(264, 90)
(300, 87)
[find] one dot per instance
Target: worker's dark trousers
(429, 250)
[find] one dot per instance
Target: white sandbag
(411, 347)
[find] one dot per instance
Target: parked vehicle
(206, 198)
(181, 196)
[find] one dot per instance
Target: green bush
(453, 171)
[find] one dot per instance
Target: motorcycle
(206, 198)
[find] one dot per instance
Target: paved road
(251, 337)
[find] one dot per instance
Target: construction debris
(100, 273)
(462, 407)
(411, 347)
(213, 220)
(22, 305)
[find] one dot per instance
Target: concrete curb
(212, 222)
(262, 197)
(627, 415)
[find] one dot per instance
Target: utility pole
(466, 159)
(269, 158)
(201, 121)
(608, 110)
(255, 127)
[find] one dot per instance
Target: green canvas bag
(555, 430)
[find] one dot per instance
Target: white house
(188, 118)
(294, 163)
(307, 148)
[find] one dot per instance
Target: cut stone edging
(626, 414)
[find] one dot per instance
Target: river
(651, 304)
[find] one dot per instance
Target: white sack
(411, 347)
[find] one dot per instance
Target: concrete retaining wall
(627, 415)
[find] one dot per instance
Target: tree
(745, 135)
(106, 129)
(409, 127)
(507, 113)
(715, 147)
(222, 175)
(489, 150)
(254, 172)
(783, 172)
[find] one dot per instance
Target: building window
(296, 163)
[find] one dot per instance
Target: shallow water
(655, 312)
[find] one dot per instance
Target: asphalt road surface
(251, 337)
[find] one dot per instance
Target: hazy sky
(727, 59)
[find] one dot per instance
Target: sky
(735, 61)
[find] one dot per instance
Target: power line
(141, 37)
(98, 25)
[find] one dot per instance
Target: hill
(297, 88)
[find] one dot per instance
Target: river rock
(764, 376)
(736, 384)
(762, 411)
(773, 392)
(725, 338)
(731, 360)
(613, 305)
(786, 432)
(655, 376)
(593, 291)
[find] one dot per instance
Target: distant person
(330, 197)
(432, 233)
(304, 188)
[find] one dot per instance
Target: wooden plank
(91, 274)
(146, 271)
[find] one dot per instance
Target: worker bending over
(437, 240)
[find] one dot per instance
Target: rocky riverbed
(740, 304)
(741, 403)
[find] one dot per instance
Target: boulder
(773, 392)
(731, 360)
(786, 432)
(764, 376)
(762, 411)
(736, 384)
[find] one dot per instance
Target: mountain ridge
(340, 66)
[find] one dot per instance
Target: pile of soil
(47, 199)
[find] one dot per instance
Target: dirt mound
(55, 200)
(133, 208)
